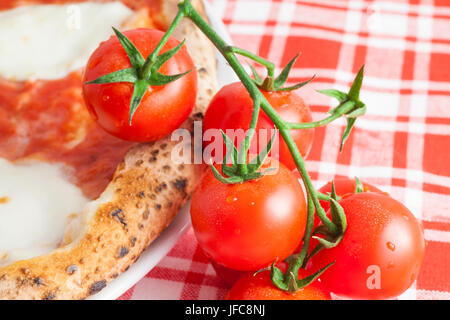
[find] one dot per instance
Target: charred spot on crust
(97, 286)
(133, 242)
(155, 152)
(161, 187)
(152, 159)
(123, 251)
(158, 206)
(72, 269)
(118, 214)
(141, 194)
(49, 296)
(25, 271)
(38, 281)
(21, 281)
(203, 70)
(180, 184)
(163, 146)
(153, 196)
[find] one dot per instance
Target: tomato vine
(145, 73)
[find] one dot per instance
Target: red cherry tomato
(260, 287)
(162, 109)
(381, 253)
(344, 187)
(231, 108)
(247, 226)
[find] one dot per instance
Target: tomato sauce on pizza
(47, 120)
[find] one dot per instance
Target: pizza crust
(145, 194)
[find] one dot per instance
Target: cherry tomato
(162, 109)
(232, 106)
(260, 287)
(381, 253)
(247, 226)
(344, 187)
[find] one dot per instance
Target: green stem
(230, 57)
(301, 167)
(343, 108)
(266, 63)
(322, 196)
(242, 156)
(186, 9)
(146, 69)
(300, 258)
(228, 54)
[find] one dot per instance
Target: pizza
(78, 205)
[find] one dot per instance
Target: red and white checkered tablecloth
(401, 145)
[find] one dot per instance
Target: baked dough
(145, 194)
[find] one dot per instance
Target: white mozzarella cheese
(49, 41)
(37, 203)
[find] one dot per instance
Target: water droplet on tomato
(105, 98)
(390, 246)
(231, 199)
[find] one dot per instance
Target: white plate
(165, 242)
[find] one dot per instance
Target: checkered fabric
(401, 145)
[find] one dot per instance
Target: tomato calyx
(288, 281)
(330, 239)
(271, 83)
(349, 104)
(143, 72)
(233, 173)
(359, 187)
